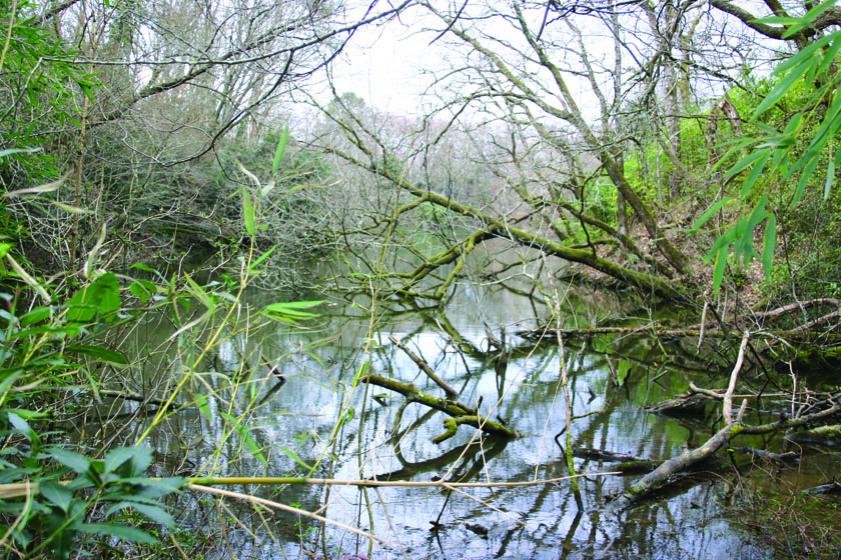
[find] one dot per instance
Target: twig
(728, 395)
(799, 333)
(703, 323)
(421, 363)
(284, 507)
(276, 481)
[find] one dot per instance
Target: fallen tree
(821, 411)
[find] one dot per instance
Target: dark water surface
(298, 425)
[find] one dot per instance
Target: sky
(383, 64)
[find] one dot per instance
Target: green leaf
(281, 148)
(292, 308)
(262, 258)
(295, 457)
(770, 245)
(705, 217)
(200, 293)
(101, 353)
(145, 268)
(5, 248)
(830, 54)
(37, 315)
(805, 177)
(202, 404)
(102, 296)
(71, 459)
(56, 493)
(248, 214)
(152, 512)
(783, 20)
(718, 270)
(755, 173)
(117, 457)
(808, 18)
(142, 290)
(744, 163)
(783, 86)
(244, 434)
(622, 371)
(120, 532)
(6, 384)
(22, 427)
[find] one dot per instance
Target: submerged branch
(793, 334)
(421, 363)
(661, 475)
(463, 414)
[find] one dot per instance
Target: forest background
(675, 152)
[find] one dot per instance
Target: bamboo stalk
(17, 489)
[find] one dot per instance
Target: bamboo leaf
(246, 438)
(41, 189)
(830, 53)
(200, 294)
(101, 353)
(808, 18)
(281, 148)
(783, 86)
(295, 457)
(744, 163)
(755, 173)
(705, 217)
(248, 215)
(770, 245)
(718, 270)
(261, 258)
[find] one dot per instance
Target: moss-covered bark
(459, 413)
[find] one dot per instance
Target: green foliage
(77, 495)
(788, 154)
(50, 495)
(36, 78)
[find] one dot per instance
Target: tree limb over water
(459, 413)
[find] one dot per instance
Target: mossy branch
(459, 413)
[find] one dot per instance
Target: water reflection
(317, 419)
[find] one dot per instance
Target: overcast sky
(384, 64)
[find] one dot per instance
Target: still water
(319, 420)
